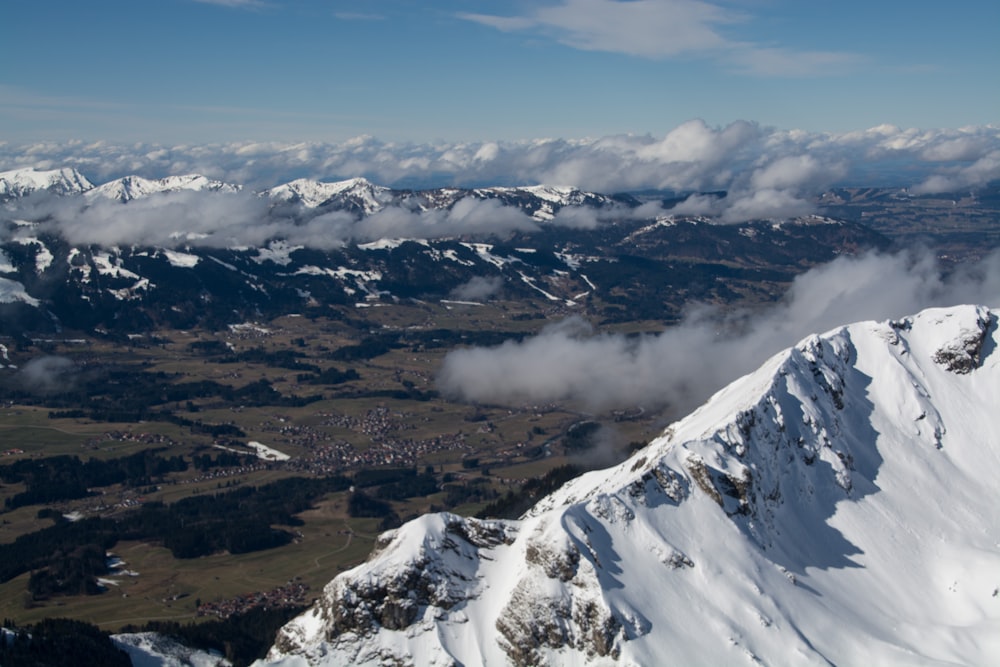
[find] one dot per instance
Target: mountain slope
(129, 188)
(22, 182)
(613, 273)
(357, 194)
(837, 506)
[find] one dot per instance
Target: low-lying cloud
(47, 375)
(682, 366)
(481, 217)
(691, 157)
(233, 219)
(478, 288)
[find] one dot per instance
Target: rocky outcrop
(808, 491)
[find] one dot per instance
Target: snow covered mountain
(357, 193)
(134, 187)
(151, 649)
(837, 506)
(94, 264)
(360, 196)
(644, 271)
(22, 182)
(543, 202)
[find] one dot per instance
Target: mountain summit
(837, 506)
(129, 188)
(22, 182)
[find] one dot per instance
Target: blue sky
(467, 70)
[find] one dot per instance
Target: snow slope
(151, 649)
(22, 182)
(309, 193)
(837, 506)
(135, 187)
(11, 291)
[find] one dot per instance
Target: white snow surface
(43, 258)
(183, 260)
(311, 193)
(836, 506)
(136, 187)
(150, 649)
(278, 252)
(22, 182)
(267, 453)
(109, 264)
(6, 266)
(11, 291)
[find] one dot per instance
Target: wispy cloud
(14, 97)
(661, 29)
(570, 361)
(765, 172)
(646, 28)
(358, 16)
(227, 219)
(781, 62)
(237, 4)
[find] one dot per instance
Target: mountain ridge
(129, 188)
(848, 478)
(137, 253)
(18, 183)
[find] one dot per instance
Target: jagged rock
(839, 504)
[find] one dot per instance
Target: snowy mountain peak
(22, 182)
(554, 193)
(129, 188)
(837, 506)
(310, 193)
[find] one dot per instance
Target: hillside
(136, 254)
(837, 506)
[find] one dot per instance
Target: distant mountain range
(837, 506)
(23, 182)
(356, 195)
(616, 257)
(135, 187)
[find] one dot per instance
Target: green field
(370, 416)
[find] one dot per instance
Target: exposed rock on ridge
(850, 478)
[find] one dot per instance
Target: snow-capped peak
(837, 506)
(552, 197)
(22, 182)
(556, 194)
(312, 193)
(134, 187)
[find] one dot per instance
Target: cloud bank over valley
(734, 173)
(694, 156)
(682, 366)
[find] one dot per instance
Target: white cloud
(468, 216)
(779, 62)
(47, 374)
(796, 172)
(982, 171)
(478, 288)
(238, 4)
(358, 16)
(682, 366)
(764, 204)
(659, 29)
(215, 219)
(741, 158)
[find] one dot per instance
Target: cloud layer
(693, 156)
(681, 367)
(233, 219)
(660, 29)
(755, 172)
